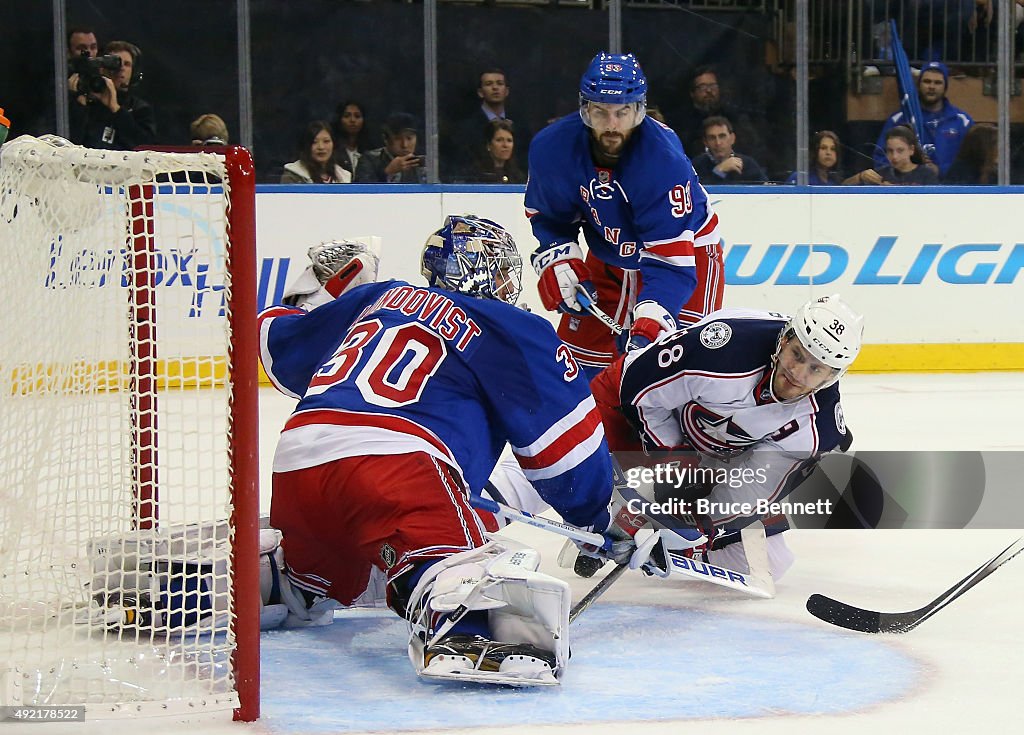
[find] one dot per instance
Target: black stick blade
(843, 615)
(868, 621)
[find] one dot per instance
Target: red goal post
(129, 430)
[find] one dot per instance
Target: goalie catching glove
(562, 271)
(336, 267)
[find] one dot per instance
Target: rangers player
(654, 255)
(408, 394)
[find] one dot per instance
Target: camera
(89, 71)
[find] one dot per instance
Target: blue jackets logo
(958, 264)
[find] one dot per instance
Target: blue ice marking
(647, 663)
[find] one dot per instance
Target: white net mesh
(114, 428)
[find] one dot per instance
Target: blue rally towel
(910, 104)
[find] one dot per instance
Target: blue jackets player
(753, 393)
(407, 397)
(654, 254)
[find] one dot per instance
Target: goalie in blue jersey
(408, 395)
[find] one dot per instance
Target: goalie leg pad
(174, 582)
(283, 604)
(527, 612)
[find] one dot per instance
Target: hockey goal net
(129, 516)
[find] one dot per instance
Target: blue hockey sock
(473, 622)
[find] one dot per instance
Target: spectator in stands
(945, 124)
(82, 42)
(397, 161)
(317, 162)
(495, 162)
(977, 161)
(706, 100)
(720, 163)
(462, 148)
(907, 162)
(350, 134)
(825, 168)
(208, 129)
(113, 118)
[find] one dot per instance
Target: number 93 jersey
(649, 213)
(392, 368)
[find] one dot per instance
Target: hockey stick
(681, 564)
(869, 621)
(597, 591)
(562, 529)
(587, 303)
(748, 584)
(757, 581)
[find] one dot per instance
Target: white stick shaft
(562, 529)
(587, 303)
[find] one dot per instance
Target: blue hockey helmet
(614, 79)
(474, 256)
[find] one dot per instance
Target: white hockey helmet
(830, 331)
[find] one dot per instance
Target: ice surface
(674, 657)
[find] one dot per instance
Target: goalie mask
(474, 256)
(828, 333)
(613, 79)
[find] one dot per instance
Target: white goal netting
(115, 426)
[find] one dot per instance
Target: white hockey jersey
(707, 387)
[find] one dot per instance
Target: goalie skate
(474, 658)
(527, 613)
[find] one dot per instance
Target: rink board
(924, 279)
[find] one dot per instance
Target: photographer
(397, 162)
(104, 114)
(82, 42)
